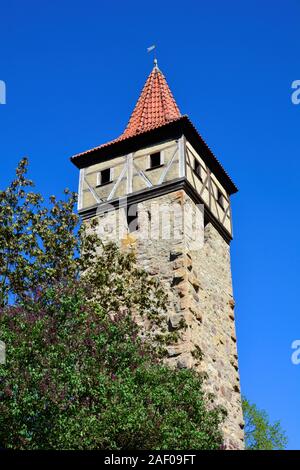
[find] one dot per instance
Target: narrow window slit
(132, 218)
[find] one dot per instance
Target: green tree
(260, 433)
(80, 377)
(79, 373)
(39, 243)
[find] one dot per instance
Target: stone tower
(160, 189)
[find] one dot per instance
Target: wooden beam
(95, 195)
(166, 169)
(182, 157)
(111, 194)
(142, 174)
(80, 189)
(129, 172)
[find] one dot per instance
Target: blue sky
(73, 71)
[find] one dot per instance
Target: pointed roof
(156, 117)
(155, 107)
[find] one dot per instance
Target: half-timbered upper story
(160, 151)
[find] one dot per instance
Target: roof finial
(150, 49)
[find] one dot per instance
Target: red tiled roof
(155, 110)
(155, 107)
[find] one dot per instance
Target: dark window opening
(132, 218)
(197, 169)
(220, 199)
(105, 176)
(155, 160)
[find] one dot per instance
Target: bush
(78, 378)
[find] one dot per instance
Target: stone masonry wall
(196, 274)
(218, 337)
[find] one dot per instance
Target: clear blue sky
(74, 70)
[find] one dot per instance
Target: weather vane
(150, 49)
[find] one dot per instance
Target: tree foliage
(260, 433)
(77, 378)
(39, 244)
(79, 372)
